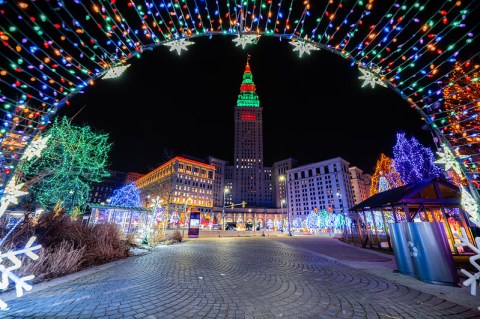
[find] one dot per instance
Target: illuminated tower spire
(248, 97)
(249, 181)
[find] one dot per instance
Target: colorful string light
(426, 52)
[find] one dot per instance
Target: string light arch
(426, 51)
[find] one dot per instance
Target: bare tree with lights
(74, 157)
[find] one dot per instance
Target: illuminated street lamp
(283, 178)
(147, 200)
(225, 191)
(282, 202)
(339, 196)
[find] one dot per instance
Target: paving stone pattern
(232, 278)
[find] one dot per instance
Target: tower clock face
(249, 116)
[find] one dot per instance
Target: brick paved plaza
(264, 277)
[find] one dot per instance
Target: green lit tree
(74, 157)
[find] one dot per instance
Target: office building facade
(360, 184)
(324, 185)
(181, 183)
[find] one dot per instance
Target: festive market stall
(429, 200)
(130, 219)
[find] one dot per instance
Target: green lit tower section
(248, 182)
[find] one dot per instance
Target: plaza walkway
(266, 277)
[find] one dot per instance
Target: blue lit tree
(322, 218)
(312, 220)
(297, 222)
(128, 195)
(414, 161)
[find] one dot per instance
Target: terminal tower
(249, 180)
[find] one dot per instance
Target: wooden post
(366, 230)
(385, 227)
(449, 231)
(407, 213)
(130, 222)
(359, 227)
(468, 230)
(394, 213)
(376, 230)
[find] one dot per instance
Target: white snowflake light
(449, 160)
(115, 72)
(10, 195)
(472, 278)
(35, 148)
(7, 272)
(303, 46)
(470, 206)
(371, 78)
(245, 39)
(179, 45)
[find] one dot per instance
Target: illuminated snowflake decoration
(470, 206)
(245, 39)
(303, 46)
(472, 278)
(10, 195)
(115, 72)
(450, 160)
(35, 148)
(179, 45)
(7, 272)
(371, 78)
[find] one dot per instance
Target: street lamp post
(283, 178)
(282, 202)
(225, 191)
(339, 196)
(147, 200)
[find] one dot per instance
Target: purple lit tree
(414, 161)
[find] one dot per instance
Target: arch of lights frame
(53, 50)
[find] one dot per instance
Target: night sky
(314, 107)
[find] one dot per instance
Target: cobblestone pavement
(233, 278)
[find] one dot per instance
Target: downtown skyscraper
(249, 180)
